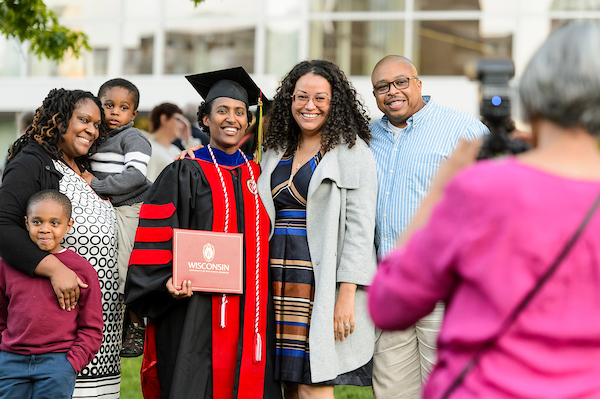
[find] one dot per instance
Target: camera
(494, 75)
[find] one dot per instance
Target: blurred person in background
(487, 233)
(167, 123)
(197, 136)
(23, 123)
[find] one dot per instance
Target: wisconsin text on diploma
(208, 266)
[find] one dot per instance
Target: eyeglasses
(399, 84)
(302, 98)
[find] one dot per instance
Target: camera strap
(524, 302)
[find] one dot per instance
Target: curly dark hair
(124, 83)
(347, 115)
(205, 109)
(51, 121)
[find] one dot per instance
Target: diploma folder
(212, 261)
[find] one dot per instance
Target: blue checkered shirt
(407, 163)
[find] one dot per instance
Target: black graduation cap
(231, 83)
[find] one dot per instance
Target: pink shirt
(499, 227)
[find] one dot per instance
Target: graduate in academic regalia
(188, 352)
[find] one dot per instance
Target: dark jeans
(49, 375)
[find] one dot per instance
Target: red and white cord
(257, 337)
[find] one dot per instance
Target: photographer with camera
(409, 143)
(511, 246)
(504, 138)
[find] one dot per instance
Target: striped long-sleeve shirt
(120, 166)
(407, 162)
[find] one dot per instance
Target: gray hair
(562, 81)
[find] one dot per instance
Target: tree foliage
(31, 20)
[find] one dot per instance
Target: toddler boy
(119, 172)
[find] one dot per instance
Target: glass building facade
(154, 43)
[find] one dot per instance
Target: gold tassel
(259, 135)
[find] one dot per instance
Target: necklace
(310, 154)
(300, 163)
(257, 337)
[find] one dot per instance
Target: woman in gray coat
(319, 186)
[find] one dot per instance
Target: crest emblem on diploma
(208, 251)
(252, 186)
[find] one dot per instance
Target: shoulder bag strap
(524, 302)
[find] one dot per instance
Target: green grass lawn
(130, 383)
(130, 378)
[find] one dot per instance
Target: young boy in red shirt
(42, 347)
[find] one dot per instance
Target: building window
(11, 54)
(357, 5)
(443, 5)
(457, 43)
(575, 5)
(356, 46)
(138, 59)
(193, 53)
(138, 48)
(281, 50)
(100, 61)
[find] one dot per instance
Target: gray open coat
(340, 227)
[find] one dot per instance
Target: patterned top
(408, 161)
(94, 237)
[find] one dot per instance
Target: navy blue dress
(293, 278)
